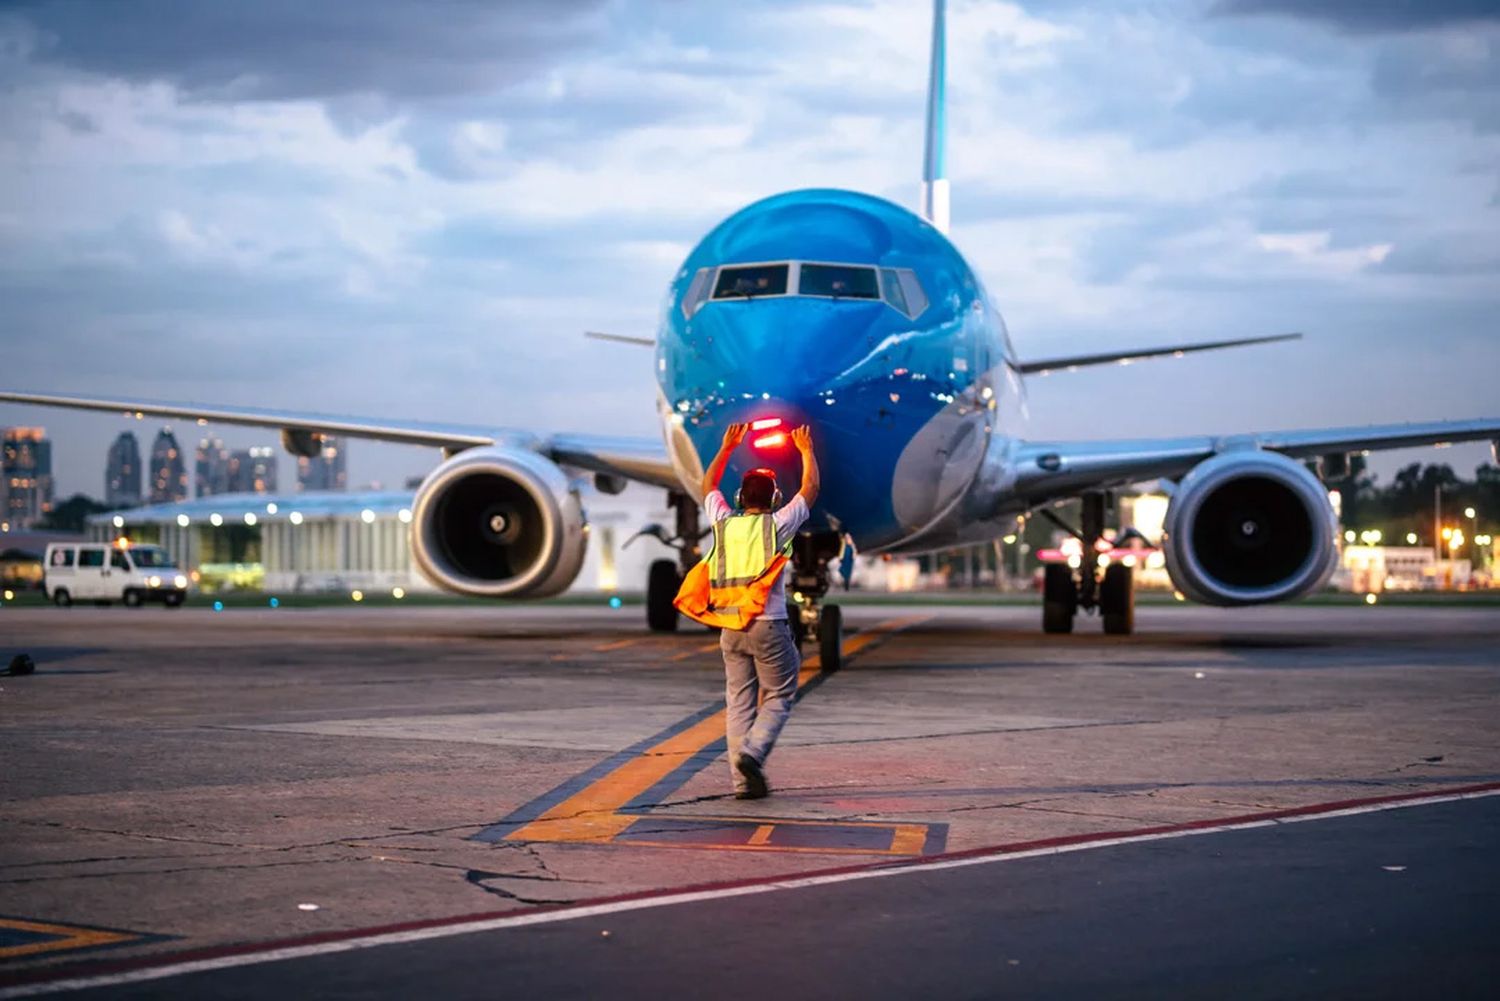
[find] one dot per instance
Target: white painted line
(672, 899)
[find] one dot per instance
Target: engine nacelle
(498, 523)
(1245, 528)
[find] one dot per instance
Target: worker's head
(758, 491)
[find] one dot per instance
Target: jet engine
(498, 523)
(1245, 528)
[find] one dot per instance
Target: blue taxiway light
(275, 602)
(615, 602)
(218, 606)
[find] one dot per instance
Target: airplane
(861, 319)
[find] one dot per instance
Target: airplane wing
(641, 459)
(1043, 366)
(1047, 471)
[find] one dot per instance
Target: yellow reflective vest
(730, 585)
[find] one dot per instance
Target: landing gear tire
(1117, 600)
(831, 638)
(61, 598)
(662, 583)
(132, 599)
(1059, 599)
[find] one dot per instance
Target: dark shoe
(755, 779)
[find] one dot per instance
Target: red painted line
(103, 968)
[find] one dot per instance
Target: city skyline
(424, 228)
(123, 472)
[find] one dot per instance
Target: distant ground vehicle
(95, 571)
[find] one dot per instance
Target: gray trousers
(763, 656)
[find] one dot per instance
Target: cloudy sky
(412, 208)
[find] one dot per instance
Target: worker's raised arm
(733, 435)
(802, 438)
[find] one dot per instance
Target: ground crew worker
(740, 587)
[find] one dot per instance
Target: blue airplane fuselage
(904, 399)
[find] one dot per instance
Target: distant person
(739, 585)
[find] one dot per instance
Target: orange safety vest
(729, 587)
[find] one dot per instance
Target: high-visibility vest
(729, 587)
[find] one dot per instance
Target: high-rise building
(122, 472)
(26, 468)
(212, 466)
(169, 481)
(325, 471)
(252, 470)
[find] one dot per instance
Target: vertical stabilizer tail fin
(934, 164)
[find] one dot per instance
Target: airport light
(250, 517)
(295, 517)
(183, 521)
(367, 516)
(1469, 513)
(216, 519)
(1447, 533)
(119, 522)
(271, 508)
(1370, 598)
(10, 596)
(1009, 540)
(358, 595)
(1411, 538)
(1349, 535)
(398, 593)
(405, 515)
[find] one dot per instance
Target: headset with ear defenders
(739, 495)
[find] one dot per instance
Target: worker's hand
(734, 434)
(802, 438)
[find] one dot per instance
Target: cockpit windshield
(898, 288)
(754, 280)
(838, 281)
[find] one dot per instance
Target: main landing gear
(807, 582)
(1065, 591)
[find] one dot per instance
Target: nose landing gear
(665, 576)
(1111, 593)
(807, 583)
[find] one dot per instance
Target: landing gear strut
(807, 583)
(665, 576)
(1111, 593)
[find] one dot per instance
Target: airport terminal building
(321, 541)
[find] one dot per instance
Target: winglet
(934, 163)
(1046, 365)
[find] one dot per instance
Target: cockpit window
(896, 287)
(890, 283)
(916, 299)
(751, 281)
(838, 281)
(697, 291)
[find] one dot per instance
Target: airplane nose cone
(794, 350)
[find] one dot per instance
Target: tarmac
(385, 801)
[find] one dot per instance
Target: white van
(101, 573)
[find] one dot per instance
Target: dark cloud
(1372, 16)
(1433, 78)
(289, 49)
